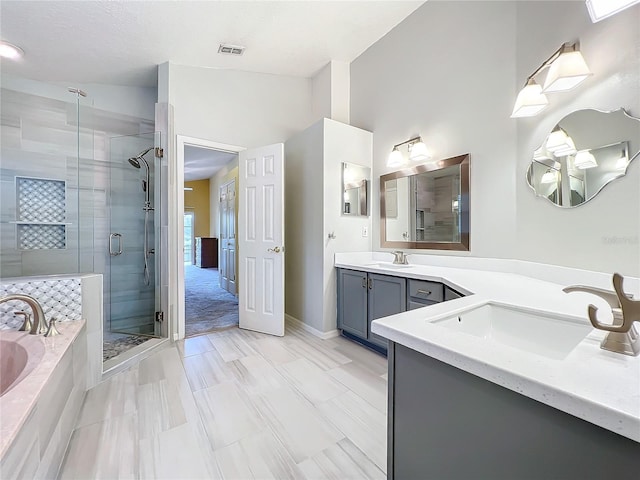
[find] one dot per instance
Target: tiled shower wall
(40, 138)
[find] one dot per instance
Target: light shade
(550, 176)
(622, 162)
(584, 159)
(560, 144)
(530, 101)
(419, 151)
(566, 71)
(541, 153)
(396, 159)
(9, 50)
(601, 9)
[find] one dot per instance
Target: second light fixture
(416, 148)
(566, 69)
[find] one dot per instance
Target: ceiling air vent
(230, 49)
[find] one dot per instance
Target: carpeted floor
(207, 306)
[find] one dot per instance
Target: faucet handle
(26, 325)
(630, 309)
(52, 330)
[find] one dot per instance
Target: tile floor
(238, 405)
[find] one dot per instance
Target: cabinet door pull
(364, 282)
(424, 292)
(370, 284)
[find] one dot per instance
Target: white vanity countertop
(590, 383)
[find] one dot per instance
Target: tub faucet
(623, 336)
(39, 322)
(399, 258)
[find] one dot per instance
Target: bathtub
(42, 386)
(20, 353)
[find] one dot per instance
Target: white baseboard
(310, 329)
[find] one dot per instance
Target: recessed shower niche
(41, 214)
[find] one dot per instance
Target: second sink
(538, 332)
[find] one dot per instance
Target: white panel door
(260, 239)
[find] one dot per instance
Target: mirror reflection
(427, 206)
(586, 151)
(355, 186)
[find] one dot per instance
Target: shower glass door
(133, 294)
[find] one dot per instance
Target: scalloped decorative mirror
(583, 153)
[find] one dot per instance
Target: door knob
(275, 249)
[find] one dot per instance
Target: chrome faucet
(39, 323)
(399, 258)
(623, 336)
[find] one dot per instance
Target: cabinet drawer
(413, 305)
(424, 290)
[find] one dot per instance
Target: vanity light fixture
(11, 51)
(541, 153)
(566, 69)
(622, 162)
(530, 101)
(550, 176)
(584, 159)
(416, 148)
(601, 9)
(560, 144)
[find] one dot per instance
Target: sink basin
(388, 265)
(542, 333)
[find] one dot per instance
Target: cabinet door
(387, 296)
(352, 302)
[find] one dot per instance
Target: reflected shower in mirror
(427, 206)
(587, 150)
(355, 190)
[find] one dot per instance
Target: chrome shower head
(134, 162)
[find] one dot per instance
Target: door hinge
(159, 152)
(159, 316)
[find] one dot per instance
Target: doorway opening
(209, 304)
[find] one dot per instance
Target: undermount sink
(542, 333)
(387, 265)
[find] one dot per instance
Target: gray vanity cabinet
(387, 296)
(352, 302)
(364, 297)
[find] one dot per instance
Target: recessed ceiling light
(9, 50)
(228, 49)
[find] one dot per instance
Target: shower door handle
(111, 251)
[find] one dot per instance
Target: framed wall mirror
(355, 190)
(586, 150)
(426, 206)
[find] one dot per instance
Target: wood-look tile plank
(206, 369)
(315, 384)
(256, 375)
(113, 398)
(342, 461)
(159, 408)
(323, 358)
(364, 357)
(194, 346)
(231, 347)
(175, 453)
(299, 426)
(364, 383)
(361, 423)
(273, 350)
(227, 414)
(108, 449)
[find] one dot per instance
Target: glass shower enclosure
(133, 305)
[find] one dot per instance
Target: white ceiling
(121, 42)
(201, 163)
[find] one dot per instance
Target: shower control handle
(112, 252)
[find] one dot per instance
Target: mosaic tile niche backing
(60, 299)
(41, 212)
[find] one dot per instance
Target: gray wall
(451, 72)
(447, 73)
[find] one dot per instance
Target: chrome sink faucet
(399, 258)
(623, 336)
(39, 323)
